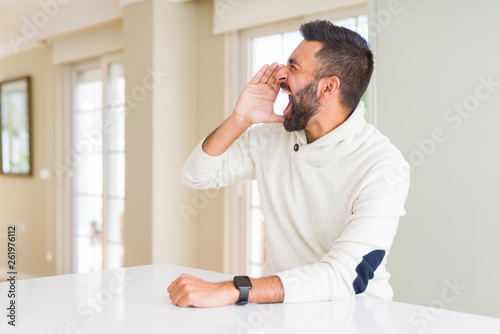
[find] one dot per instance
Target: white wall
(138, 54)
(432, 56)
(210, 81)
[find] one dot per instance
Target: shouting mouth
(288, 109)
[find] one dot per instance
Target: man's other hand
(188, 291)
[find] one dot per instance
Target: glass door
(98, 149)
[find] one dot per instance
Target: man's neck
(322, 123)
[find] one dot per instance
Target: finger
(173, 285)
(276, 87)
(273, 82)
(172, 292)
(277, 84)
(182, 302)
(269, 73)
(258, 76)
(175, 298)
(176, 295)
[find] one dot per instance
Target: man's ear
(329, 86)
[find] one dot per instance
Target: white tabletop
(135, 300)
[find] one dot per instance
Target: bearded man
(332, 187)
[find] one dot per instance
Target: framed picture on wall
(15, 127)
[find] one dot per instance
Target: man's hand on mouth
(256, 102)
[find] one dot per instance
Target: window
(98, 146)
(265, 49)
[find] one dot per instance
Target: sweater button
(296, 147)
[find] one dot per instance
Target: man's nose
(282, 74)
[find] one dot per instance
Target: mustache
(285, 86)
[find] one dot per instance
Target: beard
(304, 106)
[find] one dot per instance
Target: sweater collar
(336, 144)
(354, 124)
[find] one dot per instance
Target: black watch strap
(244, 292)
(243, 284)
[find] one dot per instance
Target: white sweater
(331, 208)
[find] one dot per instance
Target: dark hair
(344, 54)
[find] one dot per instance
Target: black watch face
(242, 282)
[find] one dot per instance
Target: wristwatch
(243, 284)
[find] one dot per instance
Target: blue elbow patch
(366, 268)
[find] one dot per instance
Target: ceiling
(25, 24)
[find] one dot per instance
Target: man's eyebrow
(292, 61)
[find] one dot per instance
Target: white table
(135, 300)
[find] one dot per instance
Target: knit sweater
(331, 208)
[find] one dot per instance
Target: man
(332, 187)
